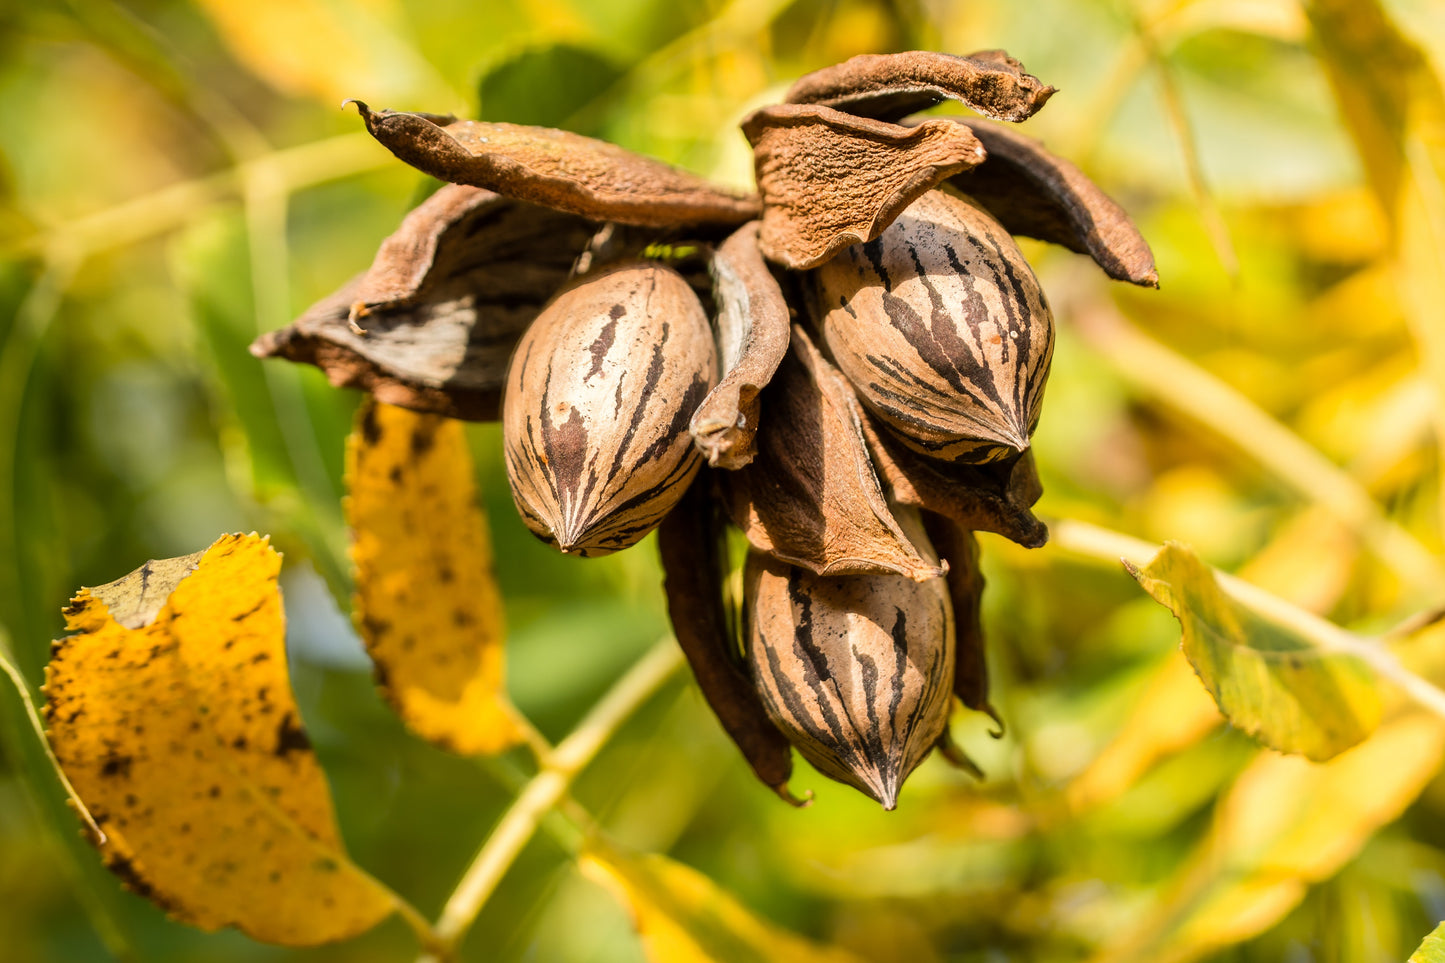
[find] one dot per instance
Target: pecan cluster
(846, 366)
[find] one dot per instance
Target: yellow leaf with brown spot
(427, 602)
(170, 710)
(684, 917)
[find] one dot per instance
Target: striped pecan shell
(942, 327)
(857, 671)
(596, 408)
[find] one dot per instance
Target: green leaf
(1433, 949)
(546, 86)
(1283, 687)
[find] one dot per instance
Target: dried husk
(943, 330)
(1038, 194)
(959, 547)
(993, 497)
(856, 671)
(892, 86)
(558, 169)
(752, 328)
(432, 324)
(829, 179)
(690, 541)
(811, 497)
(598, 398)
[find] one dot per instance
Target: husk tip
(956, 757)
(1036, 536)
(268, 345)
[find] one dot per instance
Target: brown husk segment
(830, 180)
(752, 324)
(558, 169)
(690, 541)
(959, 547)
(994, 497)
(892, 86)
(1039, 194)
(857, 671)
(811, 497)
(432, 324)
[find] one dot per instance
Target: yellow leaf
(427, 602)
(683, 917)
(1286, 823)
(1282, 687)
(171, 712)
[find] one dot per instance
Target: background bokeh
(176, 177)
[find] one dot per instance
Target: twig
(1111, 546)
(292, 169)
(33, 714)
(547, 790)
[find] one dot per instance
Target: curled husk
(752, 327)
(992, 497)
(891, 86)
(1036, 193)
(598, 397)
(943, 329)
(811, 497)
(431, 324)
(830, 179)
(959, 547)
(690, 541)
(556, 168)
(857, 671)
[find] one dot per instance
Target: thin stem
(1156, 370)
(548, 788)
(533, 739)
(569, 825)
(1104, 544)
(94, 902)
(23, 688)
(432, 944)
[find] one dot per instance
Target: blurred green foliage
(175, 178)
